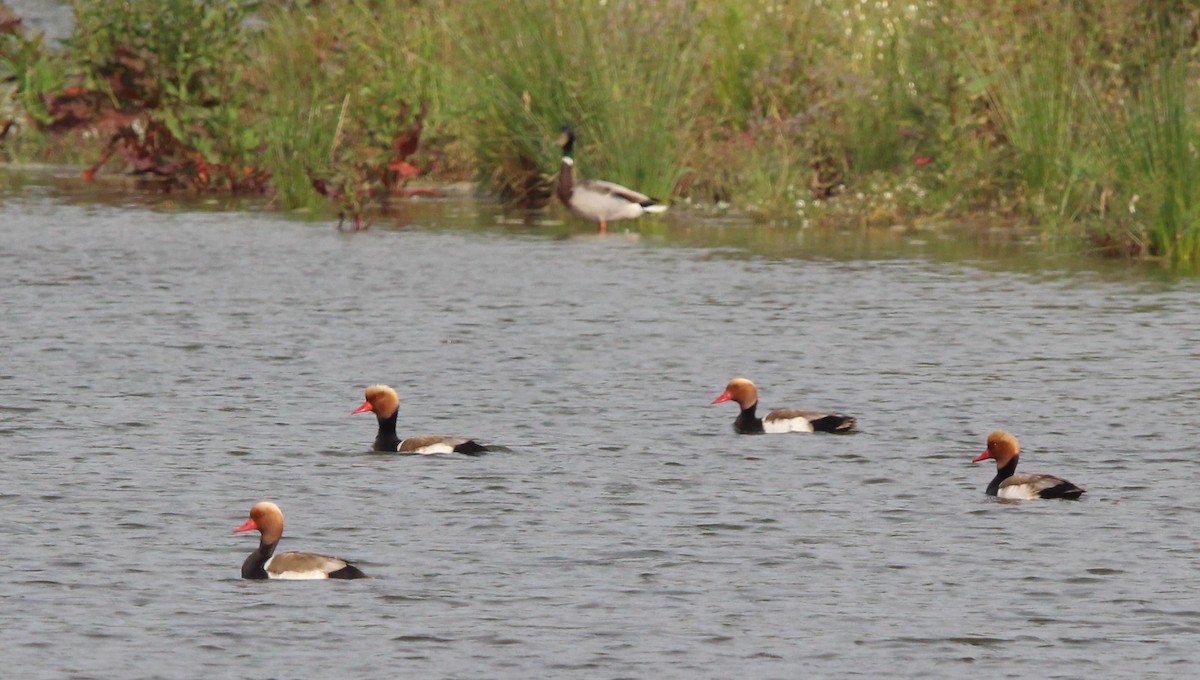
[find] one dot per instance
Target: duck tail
(835, 423)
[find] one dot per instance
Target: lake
(168, 364)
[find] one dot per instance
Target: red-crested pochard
(595, 199)
(745, 394)
(267, 518)
(1004, 449)
(384, 401)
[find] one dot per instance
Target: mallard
(595, 199)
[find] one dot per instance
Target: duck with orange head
(1003, 448)
(263, 563)
(385, 404)
(743, 392)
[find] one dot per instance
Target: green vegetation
(623, 74)
(1079, 119)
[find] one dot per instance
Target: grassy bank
(1081, 122)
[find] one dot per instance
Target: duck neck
(387, 440)
(566, 180)
(747, 422)
(1002, 474)
(255, 565)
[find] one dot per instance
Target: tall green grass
(757, 55)
(1080, 119)
(1040, 109)
(1102, 153)
(622, 73)
(301, 102)
(887, 95)
(335, 79)
(1156, 146)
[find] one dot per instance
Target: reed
(339, 81)
(886, 98)
(1155, 146)
(622, 73)
(1100, 123)
(299, 105)
(1041, 109)
(1079, 120)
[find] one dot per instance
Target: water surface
(167, 366)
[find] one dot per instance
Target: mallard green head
(567, 141)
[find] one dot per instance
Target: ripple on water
(190, 364)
